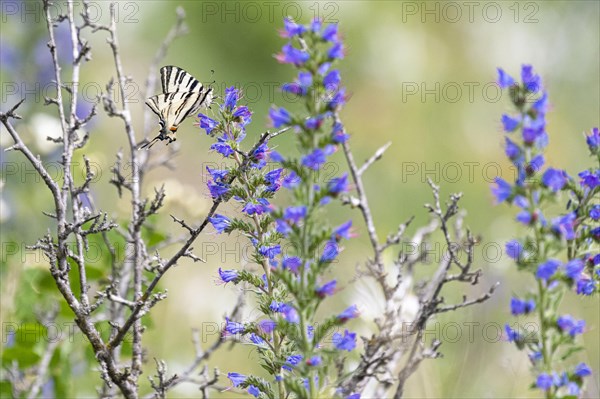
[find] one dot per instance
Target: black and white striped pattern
(182, 96)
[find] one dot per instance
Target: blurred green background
(420, 75)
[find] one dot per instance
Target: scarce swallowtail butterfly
(182, 96)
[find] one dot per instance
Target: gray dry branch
(394, 352)
(128, 296)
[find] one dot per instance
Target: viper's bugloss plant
(290, 287)
(559, 251)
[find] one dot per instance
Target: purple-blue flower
(342, 231)
(273, 176)
(316, 25)
(544, 381)
(504, 79)
(502, 191)
(511, 335)
(574, 268)
(314, 123)
(275, 306)
(231, 98)
(593, 140)
(531, 81)
(536, 164)
(338, 99)
(338, 134)
(535, 356)
(291, 180)
(232, 327)
(509, 123)
(521, 202)
(254, 391)
(292, 263)
(217, 190)
(270, 252)
(518, 306)
(346, 342)
(279, 116)
(541, 104)
(565, 225)
(257, 207)
(291, 28)
(220, 222)
(326, 289)
(291, 55)
(243, 114)
(314, 360)
(547, 269)
(532, 133)
(582, 370)
(330, 33)
(338, 185)
(229, 275)
(568, 324)
(332, 80)
(301, 85)
(282, 227)
(256, 339)
(525, 217)
(217, 174)
(267, 326)
(260, 154)
(291, 360)
(349, 313)
(222, 148)
(514, 249)
(330, 252)
(323, 68)
(595, 212)
(310, 332)
(586, 286)
(554, 179)
(590, 179)
(317, 158)
(236, 378)
(290, 313)
(573, 389)
(207, 123)
(512, 150)
(295, 214)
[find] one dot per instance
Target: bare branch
(377, 156)
(183, 224)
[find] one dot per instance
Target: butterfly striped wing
(175, 80)
(182, 96)
(173, 108)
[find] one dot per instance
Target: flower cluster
(290, 286)
(557, 250)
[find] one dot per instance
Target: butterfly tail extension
(150, 143)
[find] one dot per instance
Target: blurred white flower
(5, 139)
(4, 208)
(187, 196)
(42, 126)
(410, 308)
